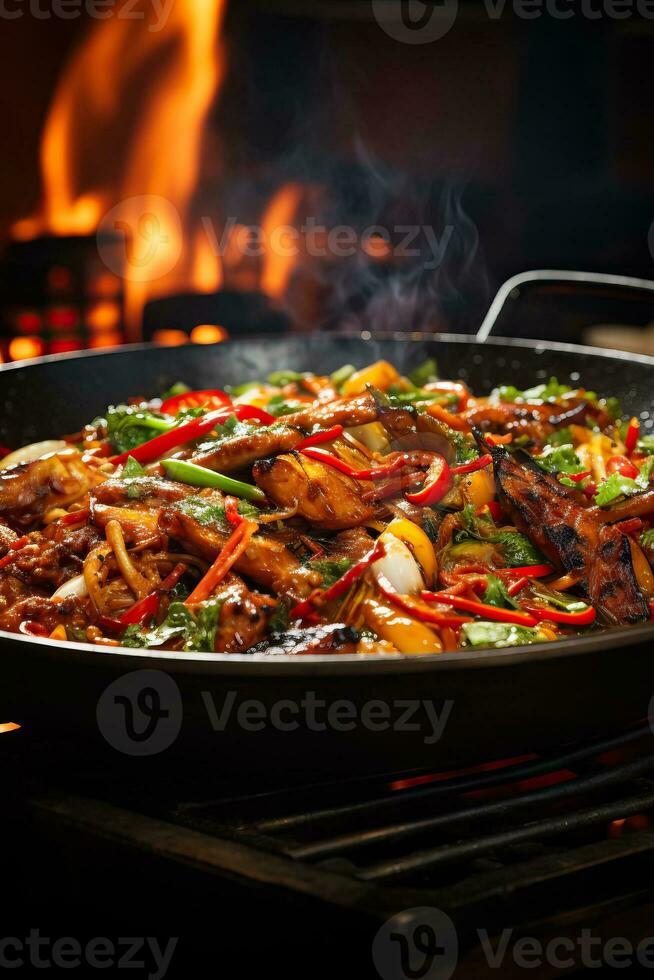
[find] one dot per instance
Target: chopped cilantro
(197, 628)
(278, 622)
(647, 538)
(331, 570)
(205, 511)
(278, 406)
(559, 459)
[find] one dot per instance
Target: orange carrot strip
(234, 547)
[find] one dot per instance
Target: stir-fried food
(362, 513)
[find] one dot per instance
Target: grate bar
(400, 831)
(465, 784)
(423, 860)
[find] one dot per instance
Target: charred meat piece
(535, 421)
(29, 490)
(325, 497)
(243, 450)
(71, 612)
(334, 638)
(570, 534)
(267, 561)
(243, 616)
(135, 504)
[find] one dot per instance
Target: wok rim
(337, 664)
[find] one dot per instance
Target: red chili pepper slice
(530, 571)
(495, 510)
(323, 456)
(437, 483)
(419, 610)
(583, 618)
(518, 586)
(495, 440)
(231, 511)
(339, 587)
(189, 431)
(633, 526)
(623, 466)
(326, 435)
(15, 546)
(31, 628)
(579, 477)
(472, 467)
(481, 609)
(632, 437)
(148, 607)
(209, 398)
(75, 516)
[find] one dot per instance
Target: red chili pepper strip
(651, 610)
(495, 510)
(481, 609)
(633, 435)
(451, 387)
(531, 571)
(323, 456)
(148, 607)
(31, 628)
(583, 618)
(145, 609)
(75, 516)
(210, 398)
(579, 477)
(231, 511)
(504, 440)
(189, 431)
(326, 435)
(437, 483)
(419, 610)
(621, 465)
(15, 546)
(476, 464)
(518, 586)
(339, 587)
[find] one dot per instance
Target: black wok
(496, 703)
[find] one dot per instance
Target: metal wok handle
(559, 305)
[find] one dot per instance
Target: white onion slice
(372, 435)
(73, 587)
(35, 450)
(399, 567)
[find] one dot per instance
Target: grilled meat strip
(401, 423)
(324, 497)
(570, 534)
(535, 421)
(29, 490)
(243, 616)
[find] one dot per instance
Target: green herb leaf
(278, 406)
(517, 549)
(197, 628)
(550, 392)
(278, 622)
(618, 486)
(331, 570)
(647, 538)
(646, 444)
(208, 513)
(559, 459)
(496, 594)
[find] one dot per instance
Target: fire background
(522, 137)
(137, 136)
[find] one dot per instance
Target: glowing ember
(206, 333)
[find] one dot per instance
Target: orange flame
(155, 72)
(281, 246)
